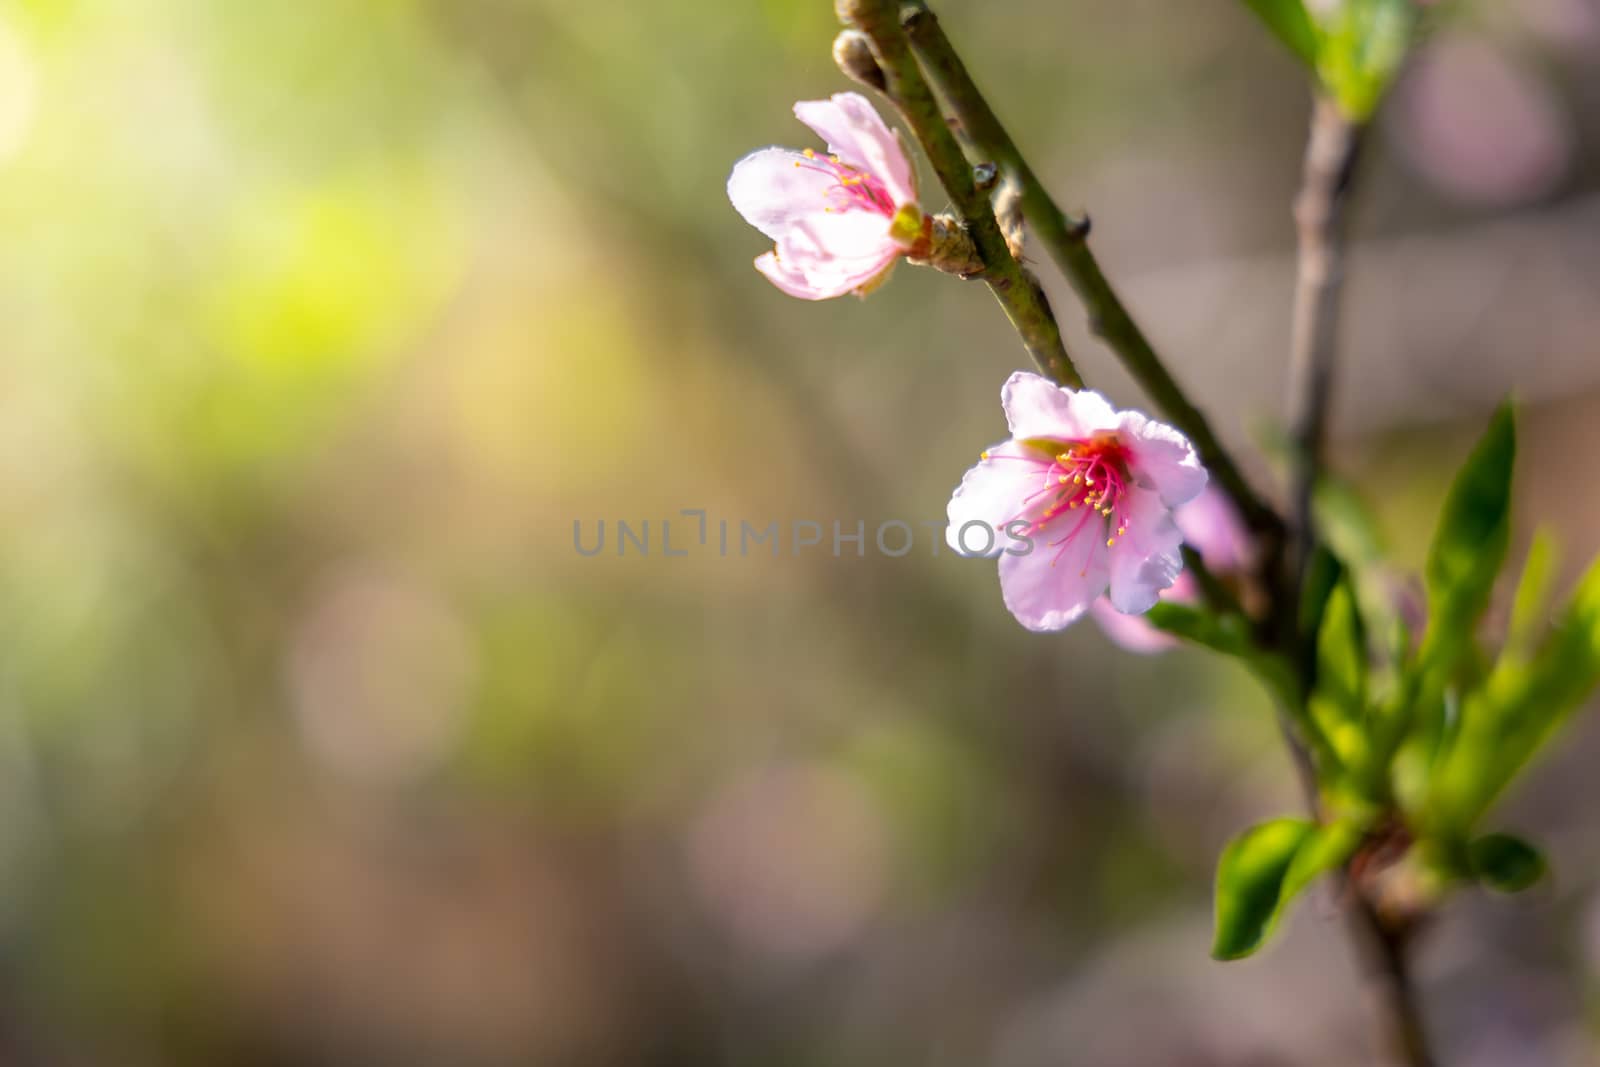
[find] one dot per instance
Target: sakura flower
(1085, 494)
(839, 221)
(1210, 525)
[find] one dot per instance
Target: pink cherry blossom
(1081, 500)
(1211, 526)
(840, 221)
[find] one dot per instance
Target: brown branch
(1319, 210)
(1386, 947)
(1332, 151)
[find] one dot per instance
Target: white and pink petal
(802, 265)
(1161, 458)
(1052, 586)
(1147, 557)
(858, 136)
(1211, 525)
(993, 493)
(774, 190)
(1037, 407)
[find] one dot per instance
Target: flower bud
(848, 10)
(945, 245)
(852, 50)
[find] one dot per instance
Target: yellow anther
(1110, 541)
(1063, 479)
(984, 454)
(1077, 479)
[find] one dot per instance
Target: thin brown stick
(1319, 210)
(1386, 947)
(1332, 151)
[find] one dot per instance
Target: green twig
(1064, 236)
(1018, 292)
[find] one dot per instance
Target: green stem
(1018, 292)
(1065, 237)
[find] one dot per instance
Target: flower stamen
(860, 189)
(1091, 474)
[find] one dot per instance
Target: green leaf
(1362, 46)
(1325, 849)
(1504, 723)
(1200, 626)
(1528, 610)
(1506, 862)
(1263, 871)
(1464, 560)
(1342, 655)
(1250, 880)
(1338, 704)
(1290, 23)
(1469, 545)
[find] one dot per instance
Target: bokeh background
(321, 324)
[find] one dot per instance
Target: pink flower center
(1085, 484)
(852, 188)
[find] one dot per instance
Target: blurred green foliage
(318, 742)
(1355, 48)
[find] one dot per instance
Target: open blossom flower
(1081, 500)
(839, 221)
(1211, 526)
